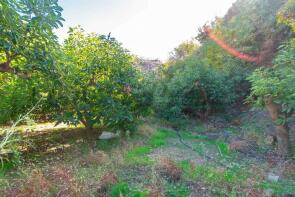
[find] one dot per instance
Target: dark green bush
(190, 87)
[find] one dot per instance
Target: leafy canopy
(99, 82)
(26, 34)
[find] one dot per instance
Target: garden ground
(225, 156)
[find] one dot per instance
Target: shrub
(190, 87)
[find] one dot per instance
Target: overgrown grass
(134, 154)
(139, 155)
(280, 188)
(212, 174)
(123, 189)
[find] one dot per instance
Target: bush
(190, 87)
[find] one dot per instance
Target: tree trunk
(91, 134)
(207, 108)
(282, 130)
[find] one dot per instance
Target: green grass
(139, 155)
(281, 187)
(160, 137)
(89, 174)
(123, 189)
(211, 174)
(223, 148)
(176, 190)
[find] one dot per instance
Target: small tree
(98, 83)
(274, 88)
(191, 87)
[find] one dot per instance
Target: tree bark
(282, 130)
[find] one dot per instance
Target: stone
(270, 140)
(107, 135)
(273, 177)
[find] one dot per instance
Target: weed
(95, 158)
(212, 174)
(138, 155)
(159, 138)
(223, 148)
(123, 189)
(35, 185)
(188, 169)
(169, 170)
(145, 130)
(176, 190)
(279, 188)
(106, 182)
(65, 182)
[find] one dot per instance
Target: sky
(147, 28)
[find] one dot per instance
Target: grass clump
(123, 189)
(159, 138)
(283, 187)
(212, 174)
(138, 155)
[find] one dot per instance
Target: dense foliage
(91, 79)
(215, 75)
(27, 46)
(190, 87)
(277, 82)
(99, 84)
(26, 35)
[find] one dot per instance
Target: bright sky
(148, 28)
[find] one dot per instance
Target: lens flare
(228, 48)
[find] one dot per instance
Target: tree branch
(6, 68)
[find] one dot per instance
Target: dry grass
(66, 183)
(289, 170)
(146, 130)
(106, 182)
(95, 158)
(35, 185)
(168, 170)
